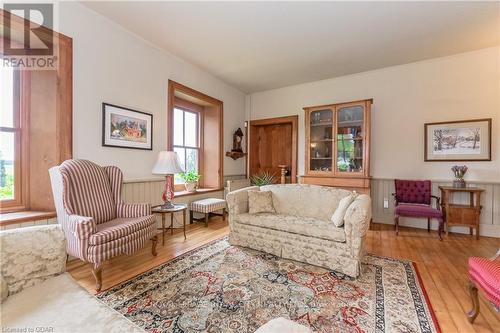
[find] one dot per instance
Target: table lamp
(167, 165)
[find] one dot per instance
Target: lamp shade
(167, 164)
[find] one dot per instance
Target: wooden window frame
(191, 108)
(21, 93)
(36, 194)
(211, 108)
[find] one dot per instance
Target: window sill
(198, 191)
(25, 216)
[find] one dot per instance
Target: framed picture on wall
(126, 128)
(464, 140)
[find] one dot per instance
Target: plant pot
(191, 186)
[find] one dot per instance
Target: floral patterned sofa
(301, 228)
(37, 294)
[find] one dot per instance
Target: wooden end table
(461, 214)
(177, 208)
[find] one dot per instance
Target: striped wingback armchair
(97, 223)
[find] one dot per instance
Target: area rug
(222, 288)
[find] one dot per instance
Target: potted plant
(262, 179)
(191, 179)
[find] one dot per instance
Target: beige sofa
(301, 228)
(37, 294)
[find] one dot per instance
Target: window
(194, 131)
(187, 139)
(35, 127)
(10, 139)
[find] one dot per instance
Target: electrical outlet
(386, 203)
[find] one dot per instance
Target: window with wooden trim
(194, 131)
(187, 139)
(35, 126)
(11, 140)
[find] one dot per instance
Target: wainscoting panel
(490, 201)
(149, 191)
(143, 191)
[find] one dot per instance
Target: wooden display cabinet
(337, 151)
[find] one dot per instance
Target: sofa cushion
(61, 304)
(120, 227)
(260, 202)
(307, 226)
(315, 201)
(338, 216)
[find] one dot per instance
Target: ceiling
(256, 46)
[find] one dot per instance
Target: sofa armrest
(237, 201)
(133, 210)
(31, 255)
(357, 222)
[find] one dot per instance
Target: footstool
(208, 207)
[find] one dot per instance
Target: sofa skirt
(315, 251)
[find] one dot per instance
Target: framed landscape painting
(464, 140)
(126, 128)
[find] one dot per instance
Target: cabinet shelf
(322, 125)
(321, 158)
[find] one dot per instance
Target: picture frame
(461, 140)
(126, 128)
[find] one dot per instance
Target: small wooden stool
(207, 207)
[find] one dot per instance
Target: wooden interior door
(273, 142)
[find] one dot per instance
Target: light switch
(386, 203)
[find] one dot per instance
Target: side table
(177, 208)
(464, 215)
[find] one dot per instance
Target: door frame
(294, 121)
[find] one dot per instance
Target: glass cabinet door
(350, 136)
(320, 141)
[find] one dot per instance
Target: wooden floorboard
(442, 266)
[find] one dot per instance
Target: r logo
(37, 39)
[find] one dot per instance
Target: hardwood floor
(442, 266)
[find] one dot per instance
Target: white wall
(112, 65)
(463, 86)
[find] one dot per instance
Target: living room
(167, 167)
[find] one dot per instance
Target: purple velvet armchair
(413, 199)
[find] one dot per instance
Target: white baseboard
(487, 230)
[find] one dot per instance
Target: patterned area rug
(221, 288)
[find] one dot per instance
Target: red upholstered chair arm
(133, 210)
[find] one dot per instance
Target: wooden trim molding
(46, 94)
(26, 216)
(207, 104)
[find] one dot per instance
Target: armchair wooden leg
(396, 224)
(97, 273)
(472, 314)
(428, 225)
(223, 214)
(154, 241)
